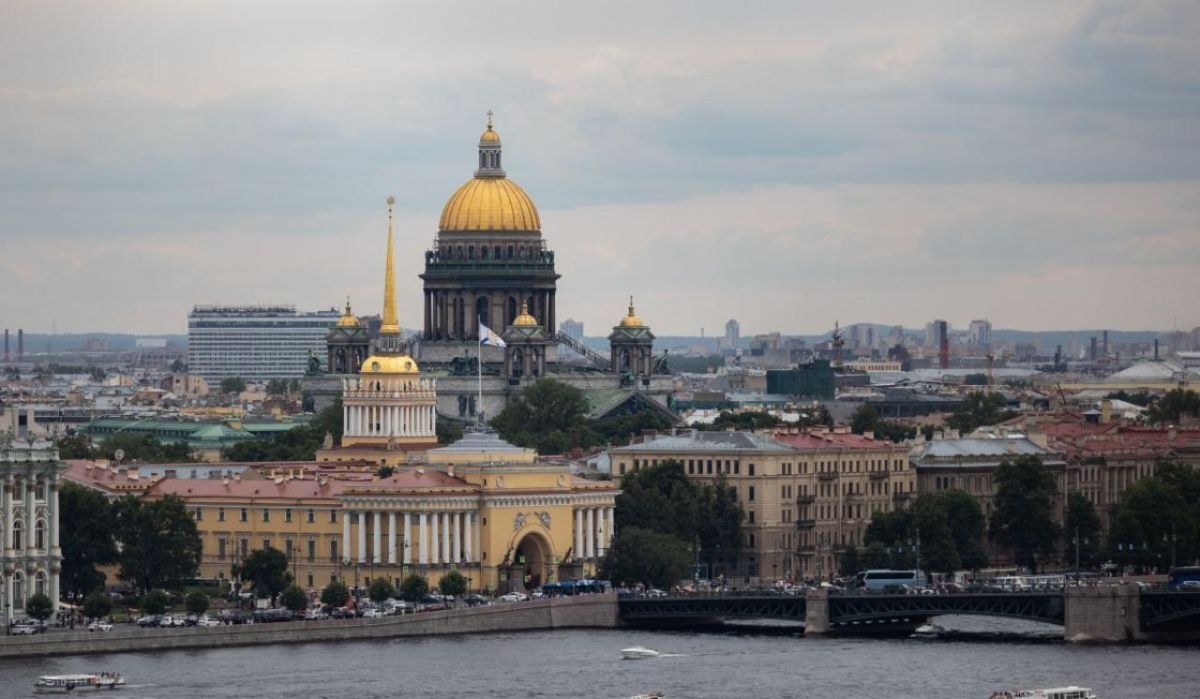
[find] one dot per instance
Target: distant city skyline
(1034, 165)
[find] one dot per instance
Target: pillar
(30, 539)
(362, 537)
(456, 524)
(612, 526)
(590, 533)
(578, 534)
(423, 541)
(346, 536)
(392, 537)
(816, 612)
(376, 542)
(407, 539)
(6, 500)
(435, 543)
(445, 537)
(469, 535)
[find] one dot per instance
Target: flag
(487, 337)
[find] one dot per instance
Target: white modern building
(256, 343)
(31, 559)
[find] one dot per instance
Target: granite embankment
(586, 611)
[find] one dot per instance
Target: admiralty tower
(488, 259)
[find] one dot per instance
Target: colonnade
(390, 420)
(594, 528)
(31, 550)
(440, 537)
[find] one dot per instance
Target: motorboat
(651, 695)
(639, 653)
(79, 683)
(928, 631)
(1071, 692)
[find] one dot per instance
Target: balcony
(806, 499)
(879, 475)
(827, 475)
(806, 523)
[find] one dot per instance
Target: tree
(1173, 405)
(293, 598)
(618, 429)
(297, 444)
(143, 447)
(268, 569)
(155, 602)
(849, 563)
(39, 606)
(447, 431)
(196, 603)
(876, 556)
(637, 555)
(385, 471)
(160, 545)
(381, 589)
(864, 419)
(965, 520)
(548, 415)
(979, 408)
(276, 387)
(233, 385)
(97, 605)
(1023, 520)
(1082, 532)
(87, 537)
(1158, 519)
(414, 588)
(453, 584)
(76, 446)
(335, 594)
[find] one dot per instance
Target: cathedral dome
(631, 320)
(389, 364)
(490, 204)
(525, 320)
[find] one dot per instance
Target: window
(750, 469)
(39, 535)
(333, 516)
(311, 517)
(750, 493)
(710, 467)
(244, 547)
(245, 515)
(310, 579)
(199, 514)
(750, 517)
(266, 543)
(287, 515)
(333, 550)
(220, 514)
(287, 547)
(312, 550)
(221, 548)
(752, 540)
(266, 515)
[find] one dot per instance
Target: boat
(82, 683)
(639, 653)
(1071, 692)
(928, 631)
(651, 695)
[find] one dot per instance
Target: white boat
(1071, 692)
(651, 695)
(928, 631)
(79, 683)
(639, 653)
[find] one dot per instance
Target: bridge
(1114, 613)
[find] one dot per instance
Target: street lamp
(1172, 539)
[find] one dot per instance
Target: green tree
(938, 552)
(618, 430)
(160, 545)
(1023, 520)
(453, 584)
(293, 598)
(88, 537)
(233, 385)
(297, 444)
(1082, 532)
(979, 408)
(196, 603)
(964, 517)
(277, 387)
(267, 569)
(864, 419)
(447, 432)
(335, 594)
(76, 446)
(381, 589)
(97, 605)
(144, 448)
(549, 416)
(637, 555)
(876, 555)
(1158, 519)
(414, 588)
(1174, 405)
(849, 562)
(39, 606)
(155, 602)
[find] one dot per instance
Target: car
(315, 614)
(149, 620)
(23, 629)
(513, 597)
(537, 594)
(476, 601)
(373, 614)
(206, 620)
(342, 613)
(654, 592)
(169, 621)
(1190, 585)
(100, 626)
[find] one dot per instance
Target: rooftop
(695, 440)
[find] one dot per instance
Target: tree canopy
(160, 545)
(1158, 519)
(196, 603)
(642, 556)
(39, 606)
(97, 605)
(453, 584)
(978, 409)
(335, 594)
(1023, 520)
(1082, 526)
(381, 589)
(268, 570)
(293, 598)
(143, 447)
(297, 444)
(233, 384)
(87, 537)
(948, 525)
(1173, 406)
(865, 419)
(155, 602)
(414, 588)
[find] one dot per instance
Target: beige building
(806, 495)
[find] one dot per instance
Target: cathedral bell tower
(632, 348)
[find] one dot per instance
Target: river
(984, 656)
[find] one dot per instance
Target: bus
(1180, 577)
(881, 580)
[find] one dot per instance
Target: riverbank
(585, 611)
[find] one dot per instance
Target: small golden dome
(389, 364)
(490, 204)
(525, 320)
(631, 320)
(489, 136)
(348, 319)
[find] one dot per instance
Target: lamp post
(1076, 555)
(1172, 539)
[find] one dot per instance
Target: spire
(389, 325)
(348, 305)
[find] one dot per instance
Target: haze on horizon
(1034, 164)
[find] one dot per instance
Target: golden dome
(389, 364)
(348, 319)
(490, 204)
(524, 320)
(631, 320)
(489, 136)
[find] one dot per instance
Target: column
(30, 539)
(376, 544)
(578, 533)
(362, 537)
(445, 537)
(435, 543)
(457, 525)
(468, 536)
(612, 526)
(590, 533)
(6, 509)
(346, 536)
(423, 541)
(392, 537)
(408, 543)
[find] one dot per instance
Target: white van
(881, 580)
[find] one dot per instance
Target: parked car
(513, 597)
(149, 620)
(206, 620)
(342, 613)
(476, 601)
(23, 629)
(172, 621)
(654, 592)
(233, 616)
(373, 614)
(315, 614)
(100, 626)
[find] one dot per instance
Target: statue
(328, 442)
(544, 518)
(314, 365)
(518, 521)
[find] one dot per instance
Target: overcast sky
(784, 163)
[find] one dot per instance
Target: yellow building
(503, 518)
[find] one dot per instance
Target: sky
(783, 163)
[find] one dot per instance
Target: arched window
(481, 309)
(470, 252)
(512, 309)
(496, 252)
(510, 252)
(18, 588)
(39, 583)
(39, 534)
(17, 538)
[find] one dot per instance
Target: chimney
(20, 344)
(6, 346)
(1105, 346)
(6, 354)
(1105, 411)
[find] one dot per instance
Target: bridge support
(1107, 614)
(816, 613)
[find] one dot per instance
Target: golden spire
(631, 320)
(389, 325)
